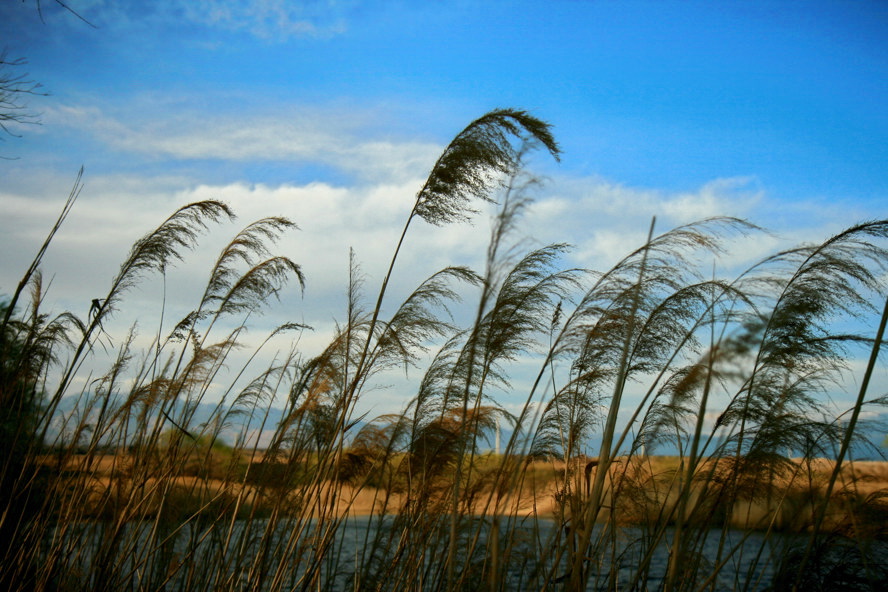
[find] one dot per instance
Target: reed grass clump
(130, 483)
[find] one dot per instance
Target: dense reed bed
(126, 490)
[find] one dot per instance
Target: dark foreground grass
(122, 488)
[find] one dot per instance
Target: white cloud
(273, 20)
(113, 212)
(295, 134)
(606, 220)
(268, 20)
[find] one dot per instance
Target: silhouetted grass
(123, 488)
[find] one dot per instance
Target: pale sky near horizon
(332, 112)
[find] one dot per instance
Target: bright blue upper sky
(331, 112)
(657, 94)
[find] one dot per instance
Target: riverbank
(648, 490)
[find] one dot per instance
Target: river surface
(226, 558)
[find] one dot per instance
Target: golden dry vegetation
(647, 486)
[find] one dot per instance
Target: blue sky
(657, 94)
(332, 113)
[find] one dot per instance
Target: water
(253, 554)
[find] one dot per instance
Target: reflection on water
(287, 555)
